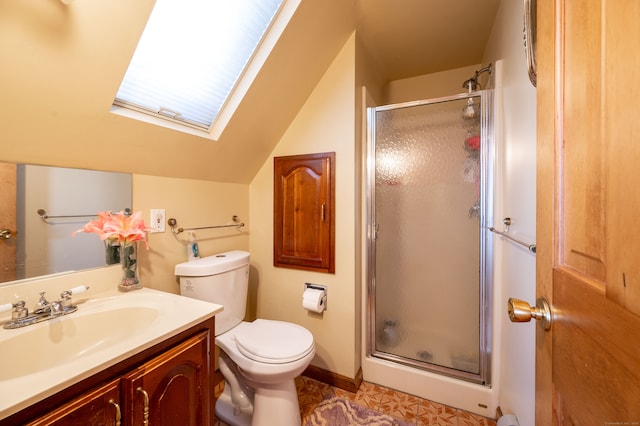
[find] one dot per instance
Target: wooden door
(8, 261)
(172, 389)
(588, 221)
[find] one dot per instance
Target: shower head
(470, 110)
(472, 84)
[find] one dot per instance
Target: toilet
(259, 360)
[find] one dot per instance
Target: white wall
(515, 198)
(326, 123)
(429, 86)
(193, 203)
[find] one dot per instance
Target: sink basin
(42, 359)
(64, 339)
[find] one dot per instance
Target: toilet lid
(273, 342)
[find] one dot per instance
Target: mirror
(41, 206)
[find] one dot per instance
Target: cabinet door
(172, 389)
(97, 407)
(304, 220)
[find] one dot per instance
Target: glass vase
(112, 252)
(129, 264)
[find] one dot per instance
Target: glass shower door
(427, 254)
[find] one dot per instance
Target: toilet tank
(223, 279)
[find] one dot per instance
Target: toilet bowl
(259, 360)
(266, 357)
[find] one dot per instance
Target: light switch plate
(157, 219)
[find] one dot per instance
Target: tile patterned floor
(402, 406)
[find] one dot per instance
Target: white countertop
(161, 315)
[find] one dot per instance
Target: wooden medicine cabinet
(304, 212)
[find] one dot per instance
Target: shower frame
(487, 162)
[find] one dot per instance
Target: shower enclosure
(429, 197)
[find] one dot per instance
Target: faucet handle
(57, 308)
(18, 306)
(75, 290)
(19, 310)
(65, 296)
(42, 303)
(79, 289)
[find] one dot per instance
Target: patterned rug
(342, 412)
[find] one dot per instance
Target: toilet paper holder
(317, 287)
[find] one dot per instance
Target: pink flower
(126, 229)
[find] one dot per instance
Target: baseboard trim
(334, 379)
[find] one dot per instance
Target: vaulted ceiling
(416, 37)
(62, 66)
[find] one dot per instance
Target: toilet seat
(272, 342)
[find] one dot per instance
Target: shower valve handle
(520, 311)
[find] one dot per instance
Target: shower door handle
(520, 311)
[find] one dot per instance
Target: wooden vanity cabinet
(98, 407)
(170, 389)
(170, 383)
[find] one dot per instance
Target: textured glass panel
(427, 188)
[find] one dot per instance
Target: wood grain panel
(588, 364)
(97, 407)
(177, 384)
(623, 153)
(334, 379)
(599, 365)
(303, 212)
(8, 221)
(581, 194)
(546, 219)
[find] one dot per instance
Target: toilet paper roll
(508, 420)
(314, 300)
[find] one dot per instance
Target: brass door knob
(520, 311)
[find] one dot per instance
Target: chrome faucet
(43, 305)
(44, 309)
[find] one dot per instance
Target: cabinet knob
(145, 395)
(118, 414)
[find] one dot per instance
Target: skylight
(191, 55)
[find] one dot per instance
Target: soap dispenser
(193, 252)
